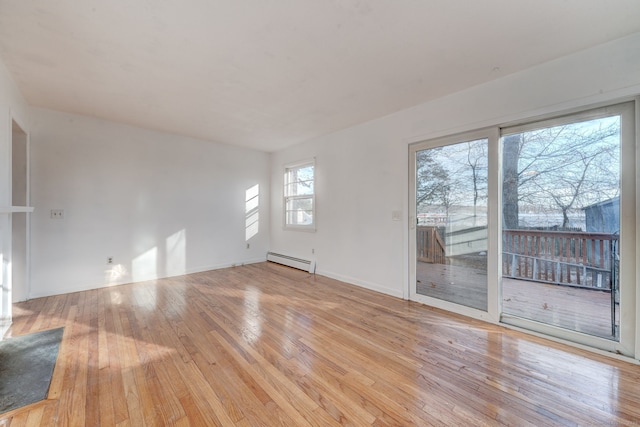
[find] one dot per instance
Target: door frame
(20, 291)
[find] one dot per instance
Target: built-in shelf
(15, 209)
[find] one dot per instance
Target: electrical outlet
(110, 260)
(57, 213)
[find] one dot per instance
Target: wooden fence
(429, 245)
(561, 257)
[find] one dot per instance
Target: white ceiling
(270, 73)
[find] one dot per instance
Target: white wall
(160, 204)
(12, 107)
(362, 172)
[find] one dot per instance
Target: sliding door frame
(493, 240)
(629, 343)
(627, 284)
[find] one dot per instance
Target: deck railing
(560, 257)
(571, 258)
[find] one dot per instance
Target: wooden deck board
(268, 345)
(578, 309)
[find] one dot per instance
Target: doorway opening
(19, 220)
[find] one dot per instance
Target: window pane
(299, 188)
(451, 203)
(299, 204)
(299, 217)
(305, 173)
(299, 181)
(299, 211)
(561, 222)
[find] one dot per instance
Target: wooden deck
(582, 310)
(265, 345)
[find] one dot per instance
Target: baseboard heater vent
(301, 264)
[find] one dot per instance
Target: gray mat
(26, 367)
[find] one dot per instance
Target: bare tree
(477, 163)
(560, 169)
(555, 171)
(454, 175)
(510, 180)
(433, 182)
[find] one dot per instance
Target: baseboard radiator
(301, 264)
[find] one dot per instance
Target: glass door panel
(451, 230)
(561, 224)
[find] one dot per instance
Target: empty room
(320, 213)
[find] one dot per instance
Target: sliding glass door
(563, 200)
(532, 225)
(451, 221)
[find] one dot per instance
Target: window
(299, 196)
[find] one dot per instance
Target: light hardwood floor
(264, 345)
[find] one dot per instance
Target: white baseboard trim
(363, 284)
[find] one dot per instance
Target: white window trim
(299, 227)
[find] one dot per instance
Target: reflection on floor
(267, 345)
